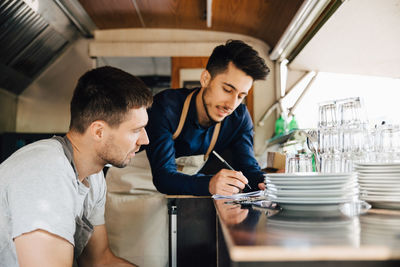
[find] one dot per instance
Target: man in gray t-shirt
(52, 192)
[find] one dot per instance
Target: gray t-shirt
(39, 190)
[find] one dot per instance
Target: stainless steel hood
(32, 34)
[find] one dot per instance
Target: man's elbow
(160, 186)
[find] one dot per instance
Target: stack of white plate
(380, 184)
(311, 191)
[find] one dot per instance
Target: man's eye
(227, 90)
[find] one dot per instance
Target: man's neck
(201, 112)
(83, 155)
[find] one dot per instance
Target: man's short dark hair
(107, 94)
(243, 56)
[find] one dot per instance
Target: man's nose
(232, 102)
(143, 138)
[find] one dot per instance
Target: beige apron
(83, 228)
(192, 164)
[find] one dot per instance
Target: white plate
(308, 183)
(309, 174)
(340, 178)
(313, 196)
(310, 191)
(395, 184)
(382, 181)
(388, 187)
(338, 194)
(375, 182)
(378, 167)
(313, 187)
(379, 183)
(315, 179)
(304, 200)
(380, 199)
(379, 194)
(394, 180)
(378, 170)
(377, 164)
(380, 189)
(379, 175)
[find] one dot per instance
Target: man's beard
(108, 159)
(118, 164)
(106, 155)
(212, 121)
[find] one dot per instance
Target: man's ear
(205, 78)
(97, 130)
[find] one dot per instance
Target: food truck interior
(46, 45)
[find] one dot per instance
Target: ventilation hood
(32, 34)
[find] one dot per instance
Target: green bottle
(280, 126)
(293, 124)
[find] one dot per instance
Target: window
(380, 96)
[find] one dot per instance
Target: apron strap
(182, 120)
(183, 115)
(213, 140)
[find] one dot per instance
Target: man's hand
(227, 182)
(261, 186)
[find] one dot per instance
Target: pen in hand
(227, 164)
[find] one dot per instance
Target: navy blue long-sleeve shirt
(236, 133)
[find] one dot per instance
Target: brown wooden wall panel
(250, 103)
(263, 19)
(112, 14)
(178, 63)
(181, 14)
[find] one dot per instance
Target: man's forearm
(176, 183)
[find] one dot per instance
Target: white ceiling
(361, 37)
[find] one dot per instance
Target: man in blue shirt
(216, 106)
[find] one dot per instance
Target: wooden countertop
(273, 236)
